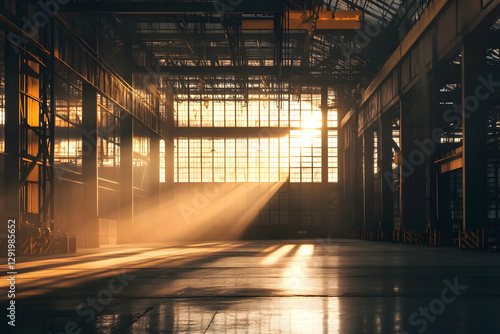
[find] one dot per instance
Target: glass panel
(296, 155)
(332, 156)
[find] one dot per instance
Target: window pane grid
(295, 156)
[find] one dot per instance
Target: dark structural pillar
(324, 157)
(358, 178)
(474, 115)
(12, 135)
(415, 157)
(342, 185)
(352, 207)
(89, 167)
(125, 222)
(407, 168)
(432, 123)
(368, 182)
(347, 207)
(386, 175)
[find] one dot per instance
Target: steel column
(342, 184)
(358, 183)
(12, 134)
(126, 179)
(432, 123)
(415, 158)
(368, 182)
(407, 168)
(324, 158)
(474, 116)
(89, 167)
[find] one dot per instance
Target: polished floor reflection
(292, 286)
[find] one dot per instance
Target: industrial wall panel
(446, 25)
(405, 71)
(466, 12)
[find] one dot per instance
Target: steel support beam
(324, 134)
(218, 70)
(407, 170)
(126, 179)
(474, 116)
(348, 200)
(412, 170)
(352, 177)
(324, 156)
(12, 135)
(340, 76)
(342, 185)
(368, 182)
(432, 123)
(451, 163)
(358, 180)
(90, 203)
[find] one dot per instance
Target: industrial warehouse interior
(250, 166)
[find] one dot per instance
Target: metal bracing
(36, 140)
(174, 7)
(201, 34)
(29, 123)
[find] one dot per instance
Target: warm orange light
(305, 250)
(278, 254)
(304, 20)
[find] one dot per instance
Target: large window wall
(292, 153)
(297, 157)
(254, 111)
(231, 159)
(305, 155)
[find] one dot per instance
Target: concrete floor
(301, 286)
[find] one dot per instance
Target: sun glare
(311, 121)
(306, 137)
